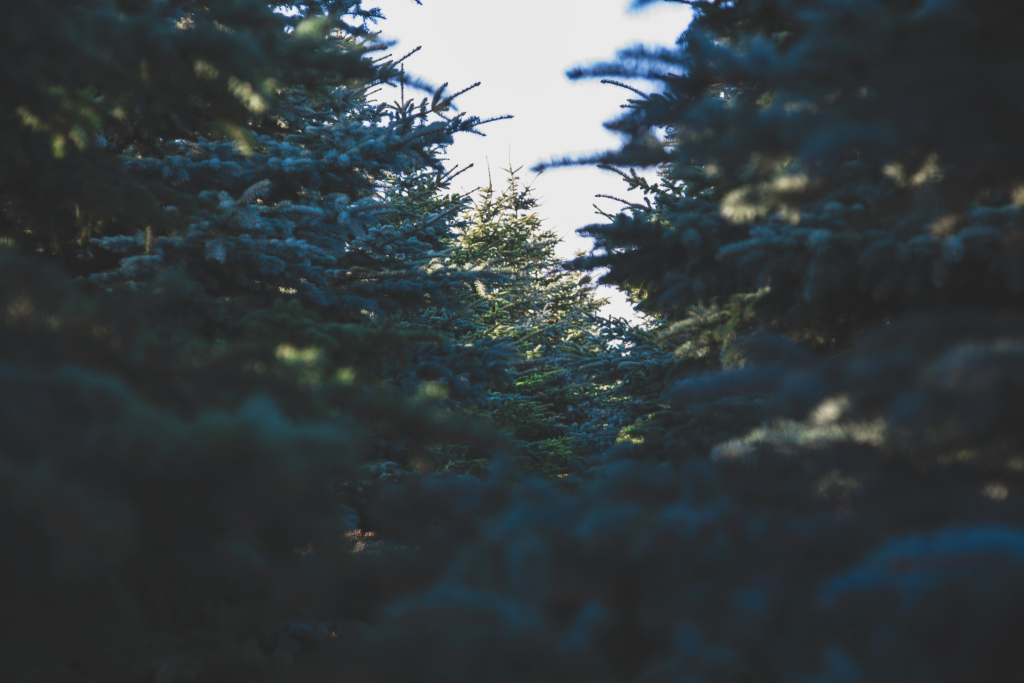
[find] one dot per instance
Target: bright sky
(520, 50)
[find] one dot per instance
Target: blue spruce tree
(221, 257)
(832, 489)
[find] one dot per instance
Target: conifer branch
(629, 204)
(642, 94)
(254, 191)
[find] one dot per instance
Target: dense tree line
(279, 405)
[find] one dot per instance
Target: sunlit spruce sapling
(565, 404)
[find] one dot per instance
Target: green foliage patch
(279, 405)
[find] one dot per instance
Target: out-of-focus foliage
(861, 159)
(220, 458)
(90, 79)
(832, 491)
(219, 258)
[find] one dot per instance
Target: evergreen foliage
(831, 246)
(569, 401)
(219, 252)
(246, 322)
(832, 492)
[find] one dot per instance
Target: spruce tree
(537, 306)
(569, 401)
(832, 492)
(219, 253)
